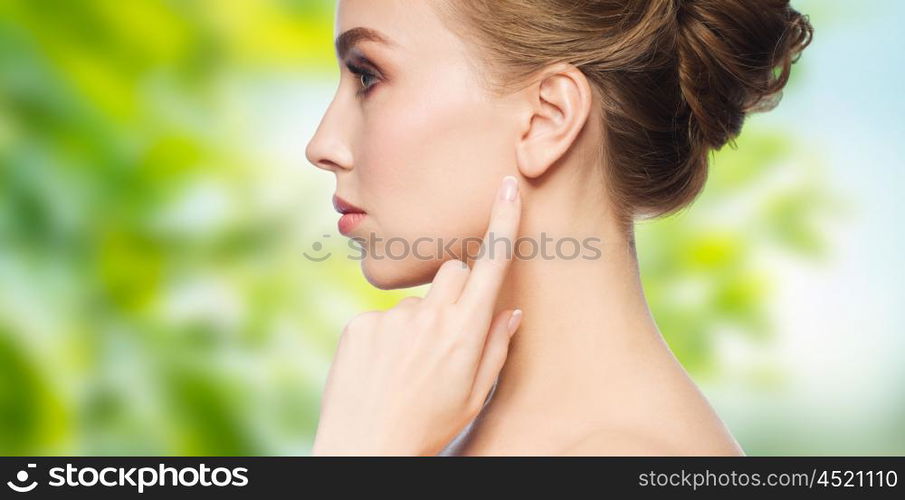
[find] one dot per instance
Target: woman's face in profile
(413, 138)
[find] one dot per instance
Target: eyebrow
(349, 38)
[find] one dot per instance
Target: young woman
(596, 113)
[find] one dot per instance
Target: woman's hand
(407, 380)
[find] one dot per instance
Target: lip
(351, 215)
(344, 207)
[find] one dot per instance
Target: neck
(586, 321)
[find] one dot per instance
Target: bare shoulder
(628, 442)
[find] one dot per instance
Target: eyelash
(362, 72)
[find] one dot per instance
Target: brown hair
(675, 78)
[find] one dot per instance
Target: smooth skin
(406, 380)
(423, 152)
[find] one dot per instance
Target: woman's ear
(559, 104)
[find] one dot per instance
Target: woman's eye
(364, 77)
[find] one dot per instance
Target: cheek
(433, 163)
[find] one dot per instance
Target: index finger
(497, 249)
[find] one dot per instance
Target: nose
(327, 149)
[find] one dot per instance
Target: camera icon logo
(22, 477)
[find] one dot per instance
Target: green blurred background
(155, 204)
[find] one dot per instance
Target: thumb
(496, 349)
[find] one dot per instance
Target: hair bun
(673, 79)
(728, 52)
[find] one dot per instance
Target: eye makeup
(363, 68)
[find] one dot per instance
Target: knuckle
(447, 314)
(444, 311)
(360, 322)
(408, 302)
(450, 265)
(456, 265)
(450, 268)
(397, 313)
(427, 318)
(459, 347)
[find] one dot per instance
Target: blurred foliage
(129, 323)
(706, 269)
(153, 302)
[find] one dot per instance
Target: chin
(390, 274)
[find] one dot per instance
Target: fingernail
(510, 188)
(514, 321)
